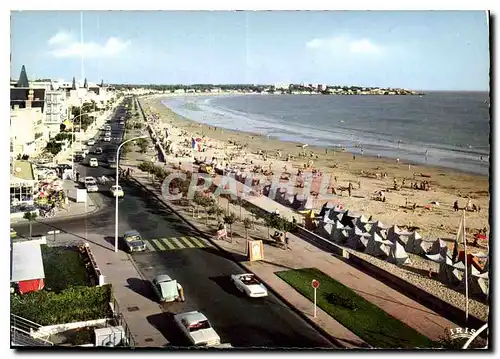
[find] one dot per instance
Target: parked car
(107, 139)
(107, 128)
(91, 184)
(247, 283)
(197, 328)
(98, 151)
(107, 134)
(91, 142)
(79, 158)
(116, 191)
(80, 153)
(133, 241)
(93, 162)
(167, 289)
(13, 233)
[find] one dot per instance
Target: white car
(197, 328)
(247, 283)
(107, 139)
(91, 184)
(93, 162)
(107, 128)
(91, 142)
(167, 289)
(116, 191)
(107, 134)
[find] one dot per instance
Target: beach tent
(397, 254)
(392, 233)
(346, 219)
(326, 208)
(449, 274)
(309, 203)
(337, 214)
(326, 229)
(414, 244)
(356, 240)
(438, 247)
(478, 284)
(299, 201)
(341, 235)
(376, 246)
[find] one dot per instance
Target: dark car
(133, 242)
(98, 151)
(78, 158)
(64, 166)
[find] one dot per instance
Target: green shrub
(71, 305)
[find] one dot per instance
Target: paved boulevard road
(203, 271)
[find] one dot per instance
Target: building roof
(19, 96)
(23, 78)
(26, 261)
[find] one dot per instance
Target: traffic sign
(315, 284)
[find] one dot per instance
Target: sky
(420, 50)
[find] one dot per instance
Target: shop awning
(26, 262)
(20, 182)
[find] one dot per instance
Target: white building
(282, 86)
(28, 134)
(56, 111)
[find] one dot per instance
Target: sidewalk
(74, 210)
(303, 255)
(135, 308)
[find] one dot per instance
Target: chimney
(29, 101)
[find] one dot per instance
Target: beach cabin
(26, 266)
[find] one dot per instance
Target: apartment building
(28, 134)
(56, 111)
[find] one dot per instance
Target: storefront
(22, 191)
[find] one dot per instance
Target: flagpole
(466, 276)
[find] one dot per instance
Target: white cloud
(60, 37)
(344, 44)
(65, 45)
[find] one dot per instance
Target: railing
(21, 329)
(120, 320)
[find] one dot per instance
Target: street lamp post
(116, 186)
(73, 141)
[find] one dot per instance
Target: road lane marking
(158, 244)
(187, 241)
(155, 248)
(177, 243)
(167, 242)
(205, 243)
(197, 242)
(150, 246)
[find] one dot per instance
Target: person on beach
(397, 160)
(455, 206)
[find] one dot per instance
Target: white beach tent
(448, 273)
(357, 241)
(341, 236)
(377, 247)
(326, 229)
(414, 244)
(438, 247)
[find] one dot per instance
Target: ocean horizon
(440, 128)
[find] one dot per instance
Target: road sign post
(315, 285)
(54, 233)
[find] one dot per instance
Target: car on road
(247, 283)
(80, 153)
(107, 128)
(90, 142)
(91, 184)
(107, 139)
(107, 134)
(98, 151)
(197, 328)
(93, 162)
(133, 241)
(167, 289)
(116, 191)
(64, 166)
(79, 158)
(13, 233)
(112, 162)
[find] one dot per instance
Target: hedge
(75, 304)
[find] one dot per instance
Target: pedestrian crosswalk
(175, 243)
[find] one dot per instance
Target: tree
(143, 145)
(199, 200)
(247, 223)
(210, 212)
(229, 219)
(30, 216)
